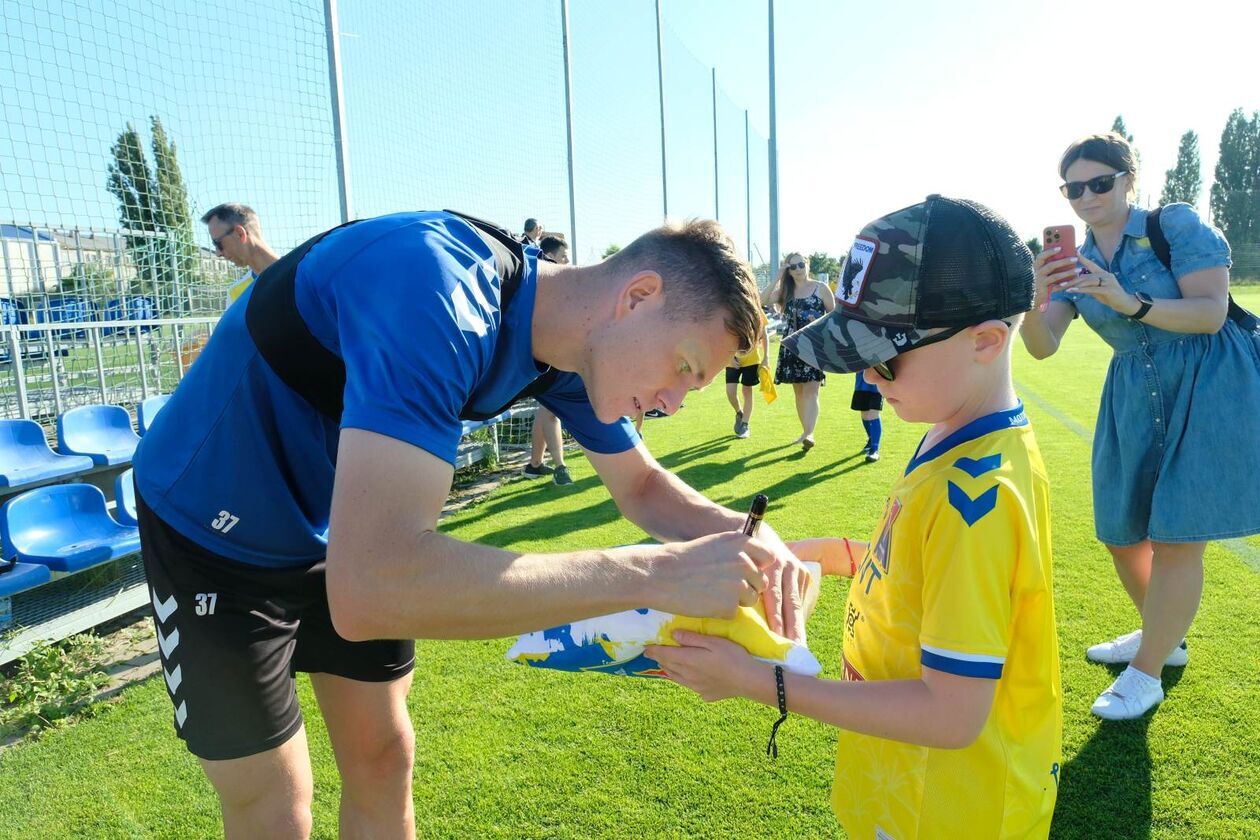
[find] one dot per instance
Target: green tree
(1117, 125)
(820, 262)
(610, 250)
(131, 182)
(94, 279)
(1235, 195)
(153, 210)
(171, 213)
(1034, 245)
(1185, 180)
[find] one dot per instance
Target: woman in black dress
(801, 300)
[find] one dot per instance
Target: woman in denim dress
(1176, 459)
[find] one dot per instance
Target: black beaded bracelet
(772, 748)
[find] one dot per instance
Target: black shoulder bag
(317, 374)
(1249, 322)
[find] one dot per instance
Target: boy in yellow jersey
(745, 372)
(949, 706)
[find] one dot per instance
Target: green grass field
(509, 752)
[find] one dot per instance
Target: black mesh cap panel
(974, 267)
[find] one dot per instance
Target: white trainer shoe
(1122, 649)
(1132, 695)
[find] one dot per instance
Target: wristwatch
(1146, 301)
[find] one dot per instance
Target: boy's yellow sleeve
(973, 545)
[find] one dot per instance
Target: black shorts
(746, 375)
(231, 637)
(867, 400)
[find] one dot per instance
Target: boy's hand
(786, 582)
(714, 668)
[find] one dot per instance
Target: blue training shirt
(243, 466)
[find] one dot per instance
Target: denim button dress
(1177, 444)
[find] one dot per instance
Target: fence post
(19, 372)
(52, 362)
(717, 207)
(747, 190)
(338, 109)
(568, 131)
(144, 376)
(100, 363)
(774, 160)
(660, 87)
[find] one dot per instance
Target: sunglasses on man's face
(218, 243)
(1099, 185)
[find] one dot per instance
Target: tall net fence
(122, 123)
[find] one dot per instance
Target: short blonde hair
(702, 273)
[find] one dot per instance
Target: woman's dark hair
(1110, 149)
(787, 283)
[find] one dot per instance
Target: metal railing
(48, 368)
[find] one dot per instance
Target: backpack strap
(1163, 252)
(1159, 242)
(285, 342)
(317, 374)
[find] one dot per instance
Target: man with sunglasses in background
(237, 236)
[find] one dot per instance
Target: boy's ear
(643, 287)
(990, 339)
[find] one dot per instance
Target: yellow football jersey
(238, 288)
(753, 356)
(958, 578)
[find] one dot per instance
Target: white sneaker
(1122, 649)
(1132, 695)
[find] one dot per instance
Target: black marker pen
(756, 513)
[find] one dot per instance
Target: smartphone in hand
(1062, 237)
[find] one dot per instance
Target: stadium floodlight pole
(660, 86)
(747, 190)
(774, 161)
(338, 107)
(568, 127)
(717, 208)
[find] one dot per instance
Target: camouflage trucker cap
(912, 276)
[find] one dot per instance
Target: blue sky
(461, 105)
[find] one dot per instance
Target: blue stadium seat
(129, 309)
(147, 410)
(66, 527)
(25, 457)
(21, 577)
(125, 499)
(101, 432)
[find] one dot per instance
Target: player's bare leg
(375, 745)
(265, 795)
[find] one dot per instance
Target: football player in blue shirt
(290, 490)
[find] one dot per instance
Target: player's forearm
(899, 710)
(441, 588)
(668, 509)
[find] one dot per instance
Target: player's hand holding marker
(709, 588)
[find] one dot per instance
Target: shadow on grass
(689, 464)
(1105, 790)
